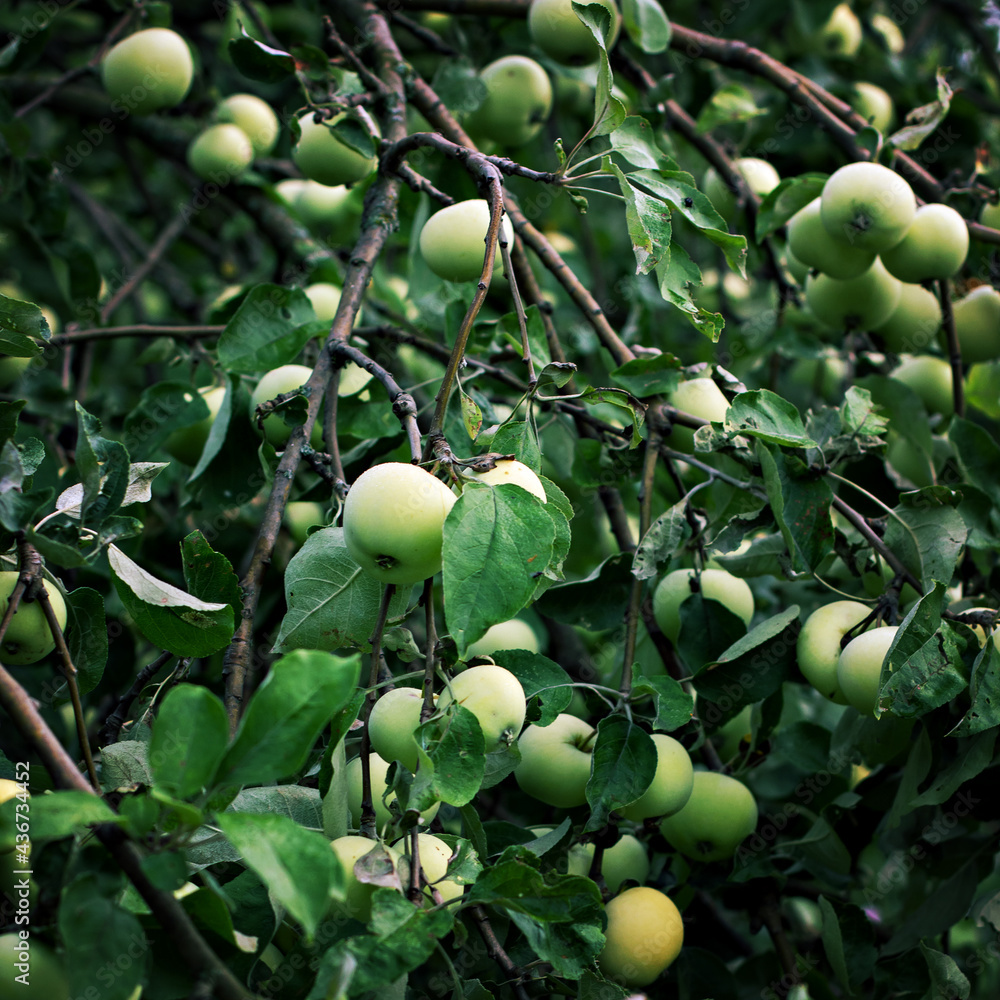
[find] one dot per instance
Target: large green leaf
(190, 736)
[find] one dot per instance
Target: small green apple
(759, 175)
(989, 214)
(824, 376)
(914, 323)
(28, 639)
(434, 856)
(512, 634)
(671, 784)
(731, 735)
(300, 516)
(511, 471)
(221, 153)
(934, 247)
(930, 377)
(320, 205)
(43, 974)
(859, 668)
(868, 206)
(325, 158)
(555, 28)
(556, 761)
(378, 769)
(715, 820)
(453, 240)
(394, 522)
(495, 697)
(887, 29)
(626, 860)
(644, 936)
(700, 397)
(148, 71)
(393, 720)
(818, 645)
(861, 303)
(518, 101)
(811, 243)
(873, 104)
(841, 34)
(187, 443)
(255, 117)
(350, 850)
(285, 378)
(11, 369)
(716, 585)
(977, 324)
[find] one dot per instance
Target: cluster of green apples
(246, 128)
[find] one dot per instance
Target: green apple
(716, 585)
(859, 668)
(518, 101)
(868, 206)
(394, 522)
(378, 769)
(325, 299)
(700, 397)
(759, 175)
(301, 515)
(715, 820)
(290, 188)
(671, 784)
(220, 153)
(512, 634)
(644, 936)
(934, 247)
(824, 376)
(495, 697)
(434, 856)
(556, 760)
(255, 117)
(514, 472)
(555, 28)
(626, 860)
(28, 639)
(861, 303)
(818, 646)
(978, 629)
(453, 240)
(841, 34)
(187, 443)
(811, 243)
(930, 378)
(44, 978)
(732, 734)
(148, 71)
(977, 324)
(888, 30)
(320, 205)
(873, 104)
(11, 369)
(915, 322)
(797, 268)
(285, 378)
(350, 850)
(989, 214)
(393, 720)
(323, 157)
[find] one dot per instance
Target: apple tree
(499, 498)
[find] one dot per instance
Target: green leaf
(597, 601)
(455, 758)
(472, 416)
(928, 539)
(208, 573)
(518, 438)
(677, 279)
(190, 736)
(731, 104)
(609, 112)
(300, 694)
(858, 413)
(764, 415)
(542, 679)
(984, 691)
(297, 865)
(849, 942)
(978, 456)
(902, 407)
(497, 539)
(647, 219)
(782, 202)
(87, 636)
(674, 707)
(646, 24)
(623, 766)
(707, 628)
(331, 603)
(9, 412)
(621, 399)
(649, 376)
(947, 980)
(162, 409)
(269, 329)
(635, 141)
(61, 814)
(662, 541)
(104, 469)
(923, 121)
(972, 757)
(258, 61)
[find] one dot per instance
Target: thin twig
(112, 726)
(954, 348)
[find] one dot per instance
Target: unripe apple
(626, 859)
(824, 376)
(512, 634)
(320, 205)
(453, 240)
(378, 769)
(323, 157)
(11, 369)
(495, 697)
(255, 117)
(978, 629)
(518, 101)
(798, 269)
(989, 214)
(394, 719)
(282, 379)
(434, 855)
(935, 246)
(977, 324)
(930, 378)
(644, 935)
(700, 397)
(671, 784)
(914, 323)
(842, 33)
(394, 522)
(290, 188)
(861, 303)
(868, 206)
(732, 734)
(43, 976)
(147, 71)
(517, 473)
(873, 104)
(187, 443)
(560, 34)
(760, 177)
(716, 585)
(892, 37)
(300, 516)
(556, 761)
(818, 646)
(811, 243)
(715, 820)
(220, 153)
(860, 667)
(28, 639)
(350, 850)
